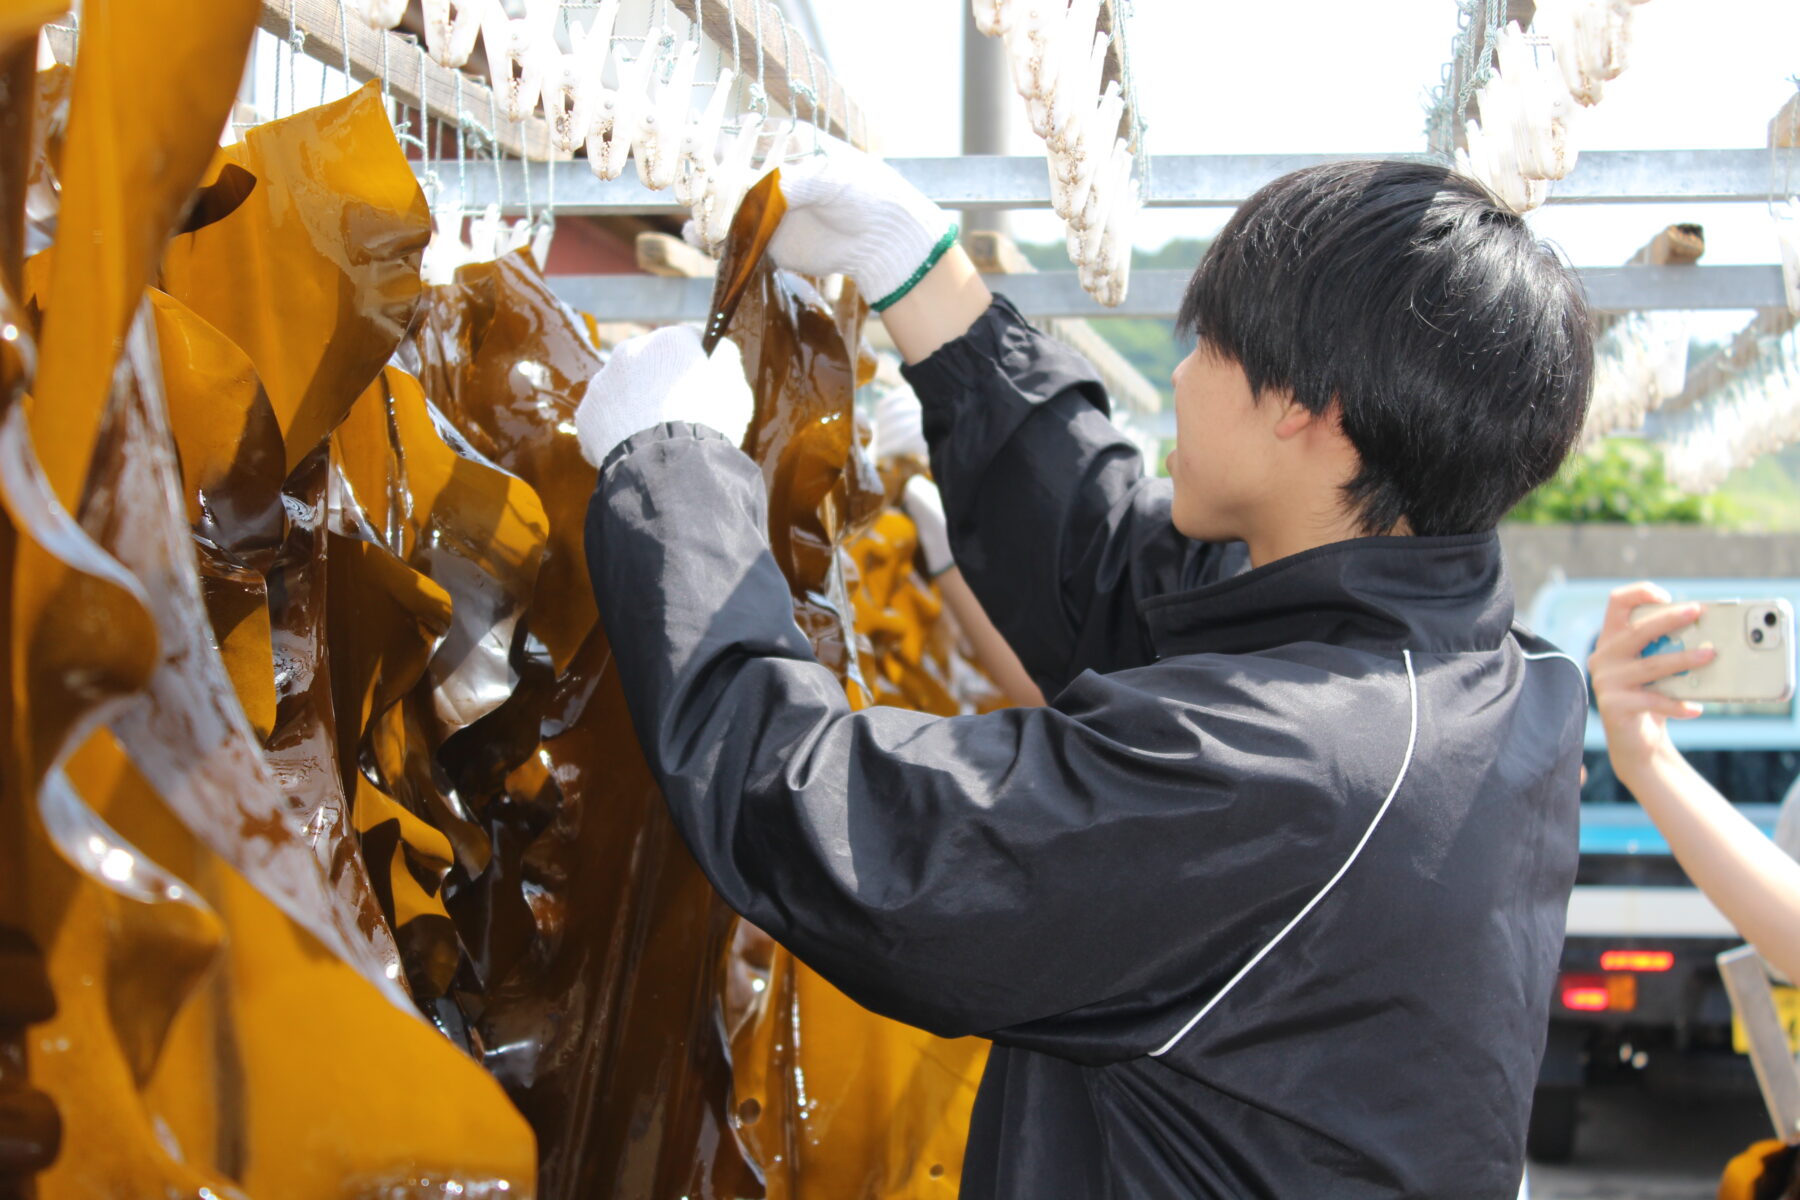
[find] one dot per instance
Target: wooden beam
(778, 39)
(413, 78)
(1719, 368)
(1677, 246)
(996, 254)
(666, 254)
(1784, 127)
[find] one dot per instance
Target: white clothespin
(727, 185)
(543, 231)
(616, 115)
(700, 146)
(381, 14)
(572, 85)
(993, 17)
(1031, 45)
(776, 154)
(518, 53)
(1545, 111)
(446, 251)
(663, 120)
(1786, 215)
(451, 27)
(1077, 87)
(1090, 218)
(1113, 269)
(1073, 171)
(484, 235)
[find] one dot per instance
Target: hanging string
(462, 149)
(1140, 149)
(296, 39)
(494, 147)
(387, 95)
(759, 95)
(344, 36)
(275, 85)
(737, 67)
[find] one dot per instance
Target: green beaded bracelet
(931, 260)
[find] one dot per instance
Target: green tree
(1149, 344)
(1620, 480)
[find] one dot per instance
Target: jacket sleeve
(966, 875)
(1051, 517)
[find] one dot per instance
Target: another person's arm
(1750, 879)
(992, 653)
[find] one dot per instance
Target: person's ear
(1293, 418)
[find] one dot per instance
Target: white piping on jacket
(1581, 670)
(1412, 741)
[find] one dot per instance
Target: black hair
(1456, 344)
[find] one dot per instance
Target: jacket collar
(1429, 594)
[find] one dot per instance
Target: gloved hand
(850, 213)
(663, 376)
(923, 503)
(899, 425)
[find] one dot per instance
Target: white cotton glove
(923, 503)
(899, 425)
(663, 376)
(851, 214)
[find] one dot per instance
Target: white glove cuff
(925, 505)
(902, 243)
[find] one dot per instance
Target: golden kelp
(182, 986)
(315, 728)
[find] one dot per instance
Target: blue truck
(1639, 996)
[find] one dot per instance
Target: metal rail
(1158, 293)
(1186, 180)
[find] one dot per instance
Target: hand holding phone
(1753, 645)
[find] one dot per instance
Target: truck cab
(1639, 996)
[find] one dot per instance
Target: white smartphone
(1754, 640)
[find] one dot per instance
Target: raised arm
(1747, 876)
(974, 874)
(1052, 520)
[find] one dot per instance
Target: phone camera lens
(1769, 619)
(1756, 636)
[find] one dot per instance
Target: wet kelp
(227, 1009)
(314, 728)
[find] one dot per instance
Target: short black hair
(1455, 342)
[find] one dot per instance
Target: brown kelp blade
(751, 229)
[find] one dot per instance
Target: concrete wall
(1535, 553)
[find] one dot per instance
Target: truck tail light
(1599, 993)
(1637, 960)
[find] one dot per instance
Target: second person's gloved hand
(925, 505)
(851, 214)
(899, 426)
(663, 376)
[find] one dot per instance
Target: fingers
(1620, 638)
(1623, 599)
(812, 181)
(668, 342)
(727, 355)
(1644, 701)
(1642, 633)
(1640, 671)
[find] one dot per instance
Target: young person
(1268, 899)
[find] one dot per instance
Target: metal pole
(987, 97)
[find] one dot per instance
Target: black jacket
(1267, 902)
